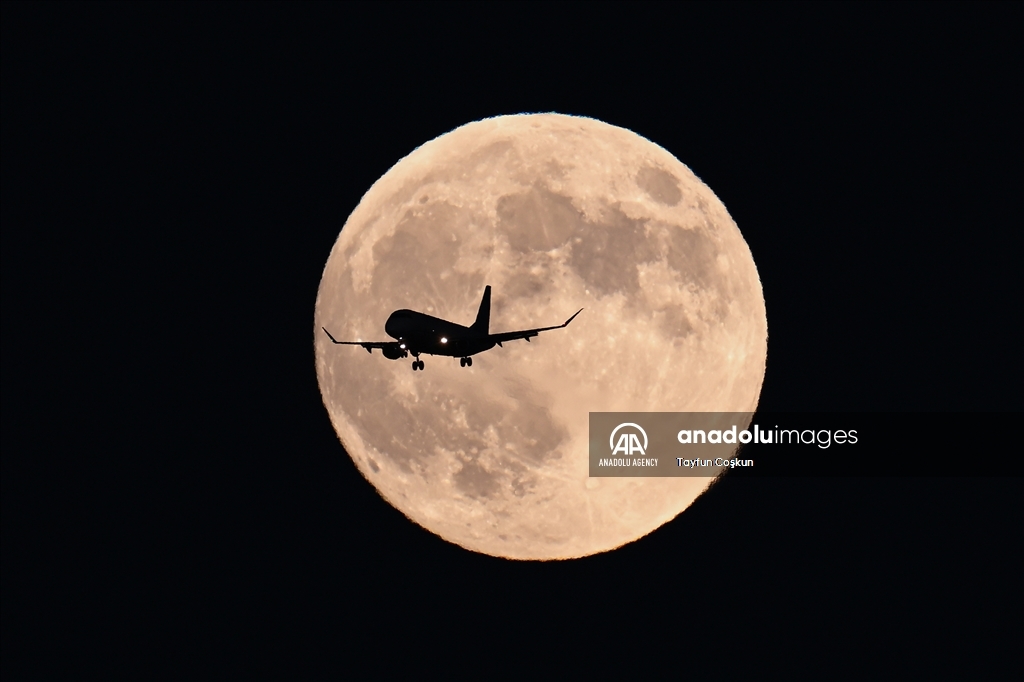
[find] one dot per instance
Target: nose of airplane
(394, 326)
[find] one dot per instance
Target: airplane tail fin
(483, 316)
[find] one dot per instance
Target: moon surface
(557, 213)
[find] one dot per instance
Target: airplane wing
(529, 333)
(368, 345)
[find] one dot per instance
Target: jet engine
(393, 352)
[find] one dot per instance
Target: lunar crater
(659, 185)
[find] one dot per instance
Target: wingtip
(329, 335)
(573, 317)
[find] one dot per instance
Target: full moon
(556, 213)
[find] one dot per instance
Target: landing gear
(417, 364)
(465, 362)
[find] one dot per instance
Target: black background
(175, 501)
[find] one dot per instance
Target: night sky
(175, 503)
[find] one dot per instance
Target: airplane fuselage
(421, 333)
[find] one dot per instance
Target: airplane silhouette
(420, 334)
